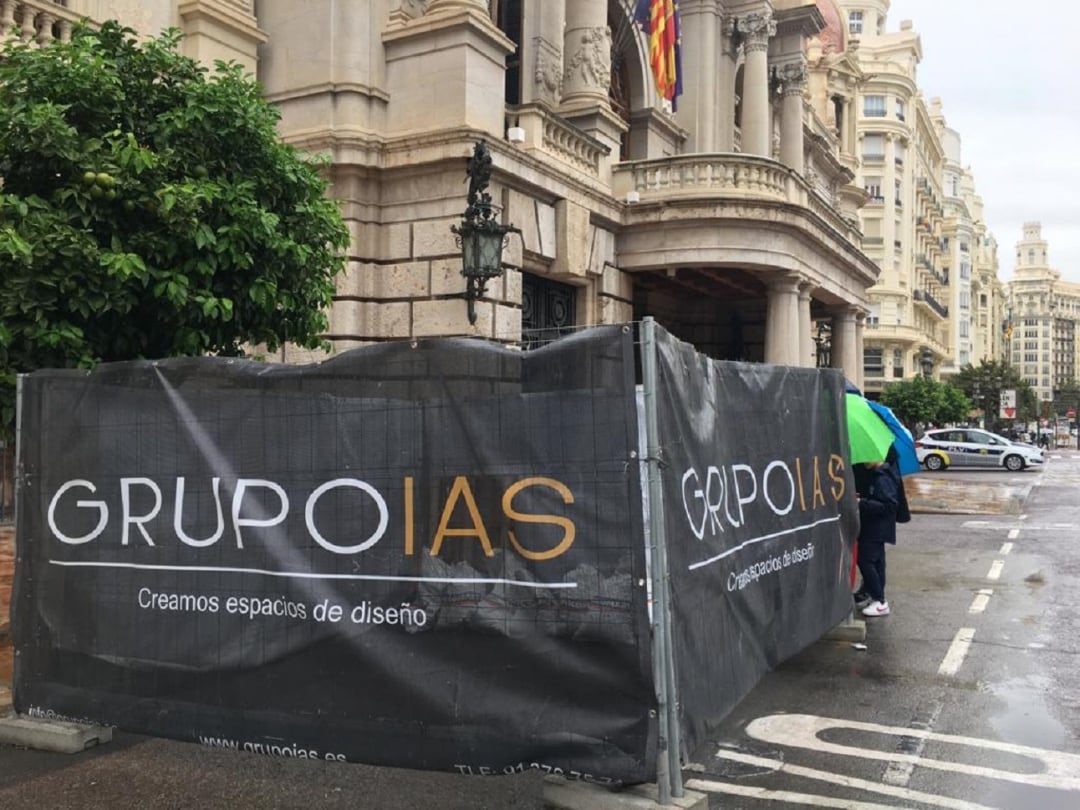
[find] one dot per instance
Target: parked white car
(971, 447)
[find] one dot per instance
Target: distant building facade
(934, 306)
(1042, 319)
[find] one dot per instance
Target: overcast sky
(1008, 75)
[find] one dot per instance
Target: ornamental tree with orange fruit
(149, 208)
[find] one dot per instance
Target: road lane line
(1060, 771)
(814, 800)
(995, 569)
(763, 794)
(982, 599)
(1014, 534)
(950, 665)
(1006, 548)
(899, 772)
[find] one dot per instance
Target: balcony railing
(39, 21)
(726, 175)
(922, 296)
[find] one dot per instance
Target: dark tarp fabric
(423, 555)
(760, 518)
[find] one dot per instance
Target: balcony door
(548, 310)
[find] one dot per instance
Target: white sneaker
(876, 609)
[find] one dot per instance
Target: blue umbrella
(903, 443)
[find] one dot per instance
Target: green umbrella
(869, 437)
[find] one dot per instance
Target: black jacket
(882, 503)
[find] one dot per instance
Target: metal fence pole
(669, 767)
(18, 455)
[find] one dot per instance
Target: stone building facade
(933, 307)
(732, 220)
(1044, 315)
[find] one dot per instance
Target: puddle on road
(1027, 719)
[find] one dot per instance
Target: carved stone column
(793, 78)
(587, 54)
(699, 111)
(587, 78)
(756, 29)
(543, 62)
(448, 5)
(807, 354)
(728, 59)
(782, 322)
(844, 349)
(860, 330)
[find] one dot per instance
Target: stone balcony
(742, 218)
(39, 21)
(727, 175)
(932, 304)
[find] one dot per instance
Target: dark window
(508, 17)
(548, 310)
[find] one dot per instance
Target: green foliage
(150, 209)
(983, 385)
(1066, 397)
(923, 401)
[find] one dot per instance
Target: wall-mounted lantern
(926, 360)
(480, 235)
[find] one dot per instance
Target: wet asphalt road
(966, 696)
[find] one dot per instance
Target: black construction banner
(422, 555)
(760, 517)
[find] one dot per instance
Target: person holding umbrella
(882, 504)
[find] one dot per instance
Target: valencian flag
(660, 21)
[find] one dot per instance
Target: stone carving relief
(548, 74)
(756, 29)
(792, 76)
(591, 59)
(413, 8)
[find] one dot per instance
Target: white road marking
(1061, 771)
(982, 599)
(799, 799)
(1022, 517)
(899, 771)
(1006, 548)
(1031, 527)
(995, 569)
(813, 800)
(950, 665)
(1014, 533)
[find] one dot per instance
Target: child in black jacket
(882, 504)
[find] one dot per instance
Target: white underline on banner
(311, 575)
(753, 540)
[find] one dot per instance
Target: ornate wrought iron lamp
(926, 360)
(480, 236)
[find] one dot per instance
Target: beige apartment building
(732, 220)
(1044, 314)
(936, 302)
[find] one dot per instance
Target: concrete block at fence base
(850, 629)
(51, 735)
(560, 794)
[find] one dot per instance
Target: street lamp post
(480, 235)
(926, 361)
